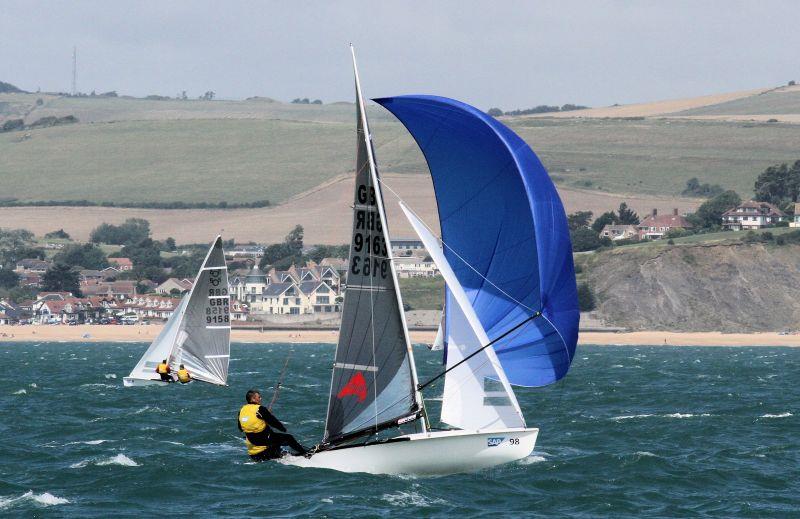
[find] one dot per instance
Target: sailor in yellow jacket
(258, 426)
(183, 375)
(164, 371)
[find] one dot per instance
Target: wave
(645, 454)
(110, 375)
(44, 499)
(786, 414)
(530, 460)
(148, 408)
(404, 499)
(33, 385)
(89, 442)
(119, 459)
(20, 392)
(670, 415)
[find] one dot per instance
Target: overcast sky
(510, 54)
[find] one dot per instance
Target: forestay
(373, 383)
(477, 395)
(505, 234)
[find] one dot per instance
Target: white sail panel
(163, 347)
(204, 341)
(477, 394)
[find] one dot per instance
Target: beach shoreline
(146, 333)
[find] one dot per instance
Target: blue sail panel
(506, 233)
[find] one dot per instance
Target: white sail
(477, 394)
(198, 332)
(163, 347)
(438, 342)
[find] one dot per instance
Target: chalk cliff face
(715, 287)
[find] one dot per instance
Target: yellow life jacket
(255, 429)
(162, 369)
(183, 376)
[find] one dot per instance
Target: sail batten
(373, 380)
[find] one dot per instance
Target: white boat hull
(136, 382)
(427, 454)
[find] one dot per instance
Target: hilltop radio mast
(74, 70)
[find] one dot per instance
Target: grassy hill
(135, 150)
(779, 101)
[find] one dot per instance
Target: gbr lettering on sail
(370, 256)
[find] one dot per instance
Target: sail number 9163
(369, 266)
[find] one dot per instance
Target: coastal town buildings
(752, 215)
(654, 226)
(620, 232)
(296, 291)
(414, 267)
(121, 264)
(174, 286)
(795, 221)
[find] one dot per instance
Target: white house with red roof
(122, 264)
(655, 226)
(752, 215)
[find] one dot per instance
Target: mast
(379, 194)
(374, 379)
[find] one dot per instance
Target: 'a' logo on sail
(355, 386)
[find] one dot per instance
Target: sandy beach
(146, 333)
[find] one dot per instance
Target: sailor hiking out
(258, 425)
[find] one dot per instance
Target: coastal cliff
(732, 287)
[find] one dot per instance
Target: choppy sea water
(631, 432)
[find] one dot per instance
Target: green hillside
(775, 102)
(133, 150)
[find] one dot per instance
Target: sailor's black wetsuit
(267, 437)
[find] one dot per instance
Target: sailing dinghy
(511, 314)
(198, 334)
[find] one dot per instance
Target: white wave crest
(33, 385)
(645, 454)
(44, 499)
(148, 408)
(403, 499)
(119, 459)
(20, 392)
(530, 460)
(111, 375)
(632, 416)
(786, 414)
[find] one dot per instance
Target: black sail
(373, 380)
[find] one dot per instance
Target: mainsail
(374, 382)
(505, 234)
(198, 333)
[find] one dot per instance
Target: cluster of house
(311, 289)
(746, 216)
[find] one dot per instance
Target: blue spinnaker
(505, 232)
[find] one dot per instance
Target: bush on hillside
(586, 298)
